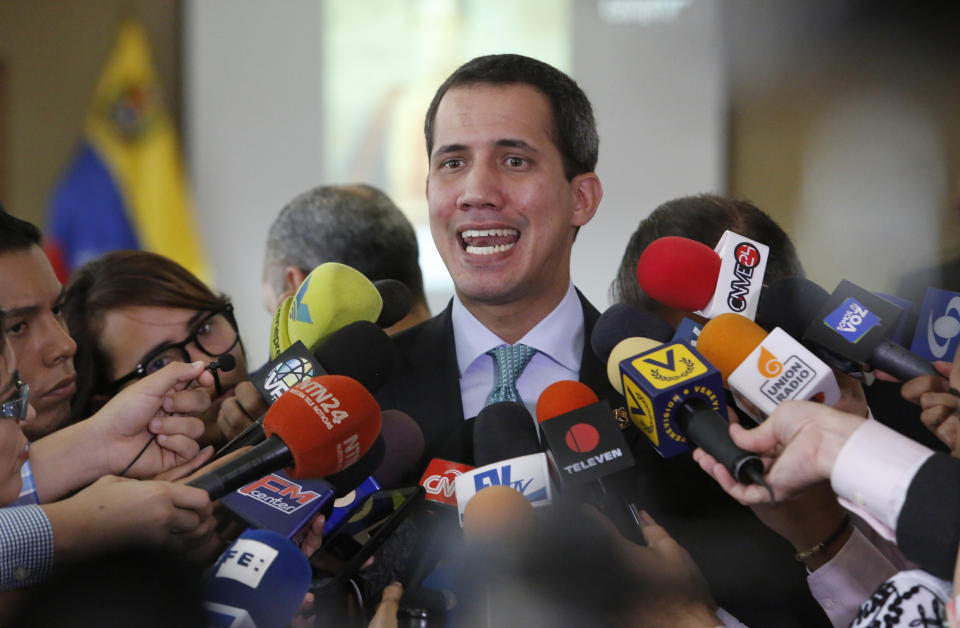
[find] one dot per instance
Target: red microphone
(317, 428)
(679, 272)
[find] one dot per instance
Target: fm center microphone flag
(657, 382)
(743, 263)
(780, 368)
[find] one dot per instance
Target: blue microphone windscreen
(262, 576)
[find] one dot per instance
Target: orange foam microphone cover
(726, 341)
(496, 513)
(679, 272)
(328, 423)
(562, 397)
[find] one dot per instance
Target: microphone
(676, 397)
(625, 349)
(259, 581)
(331, 296)
(402, 447)
(856, 325)
(762, 369)
(937, 333)
(360, 350)
(320, 426)
(584, 445)
(497, 512)
(527, 474)
(397, 301)
(689, 276)
(582, 439)
(790, 303)
(622, 320)
(504, 430)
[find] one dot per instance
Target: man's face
(503, 215)
(30, 294)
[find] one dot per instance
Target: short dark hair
(573, 129)
(357, 225)
(17, 234)
(703, 218)
(115, 280)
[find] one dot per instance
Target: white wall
(253, 134)
(253, 93)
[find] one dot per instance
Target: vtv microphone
(689, 276)
(676, 397)
(762, 369)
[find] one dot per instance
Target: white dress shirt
(558, 339)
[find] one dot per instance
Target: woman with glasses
(131, 313)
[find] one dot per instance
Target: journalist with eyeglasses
(131, 313)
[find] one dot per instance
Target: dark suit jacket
(750, 570)
(928, 530)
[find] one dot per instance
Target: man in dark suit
(512, 147)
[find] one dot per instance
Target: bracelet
(822, 545)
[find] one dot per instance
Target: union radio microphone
(259, 581)
(689, 276)
(762, 369)
(676, 398)
(317, 428)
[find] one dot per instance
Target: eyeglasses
(215, 335)
(18, 405)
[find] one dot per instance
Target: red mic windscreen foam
(679, 272)
(562, 397)
(726, 341)
(328, 423)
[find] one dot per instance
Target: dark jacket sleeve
(928, 529)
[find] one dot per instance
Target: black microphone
(856, 325)
(622, 320)
(504, 430)
(397, 301)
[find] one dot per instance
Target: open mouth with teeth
(488, 241)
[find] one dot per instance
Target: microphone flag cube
(527, 474)
(655, 385)
(853, 322)
(585, 444)
(743, 263)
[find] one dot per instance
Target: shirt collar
(559, 335)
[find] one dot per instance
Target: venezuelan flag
(125, 188)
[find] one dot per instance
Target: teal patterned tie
(510, 362)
